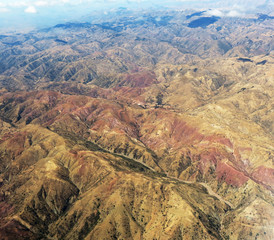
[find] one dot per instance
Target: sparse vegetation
(159, 99)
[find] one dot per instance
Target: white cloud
(30, 9)
(232, 8)
(215, 12)
(41, 3)
(3, 10)
(18, 4)
(234, 13)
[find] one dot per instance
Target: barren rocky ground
(138, 127)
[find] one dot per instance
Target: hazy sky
(27, 14)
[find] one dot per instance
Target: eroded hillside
(138, 129)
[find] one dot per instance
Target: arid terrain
(155, 125)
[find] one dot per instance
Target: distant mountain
(264, 17)
(202, 22)
(195, 14)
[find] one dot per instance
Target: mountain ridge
(138, 129)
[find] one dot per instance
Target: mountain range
(154, 125)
